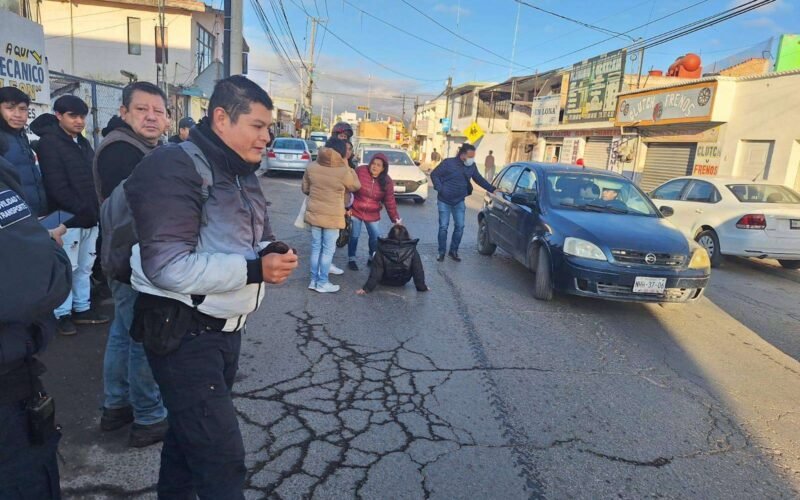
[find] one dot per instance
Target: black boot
(454, 256)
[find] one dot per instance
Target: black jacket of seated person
(395, 263)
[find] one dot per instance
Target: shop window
(205, 48)
(134, 36)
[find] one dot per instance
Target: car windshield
(396, 157)
(312, 146)
(764, 193)
(597, 193)
(293, 144)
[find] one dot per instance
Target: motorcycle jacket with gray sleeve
(204, 254)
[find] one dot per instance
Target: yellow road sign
(362, 108)
(473, 132)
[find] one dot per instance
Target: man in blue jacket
(452, 179)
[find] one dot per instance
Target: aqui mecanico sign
(22, 61)
(593, 88)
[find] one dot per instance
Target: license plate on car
(794, 224)
(287, 157)
(399, 189)
(649, 285)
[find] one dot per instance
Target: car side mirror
(527, 199)
(667, 211)
(417, 163)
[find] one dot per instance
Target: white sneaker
(312, 285)
(335, 270)
(327, 288)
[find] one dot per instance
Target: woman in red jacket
(377, 189)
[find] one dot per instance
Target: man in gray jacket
(200, 268)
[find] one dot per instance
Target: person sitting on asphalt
(396, 262)
(327, 182)
(377, 189)
(452, 179)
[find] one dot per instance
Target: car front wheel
(485, 245)
(543, 284)
(708, 239)
(790, 264)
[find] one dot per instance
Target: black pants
(26, 471)
(203, 453)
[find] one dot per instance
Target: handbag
(300, 220)
(344, 234)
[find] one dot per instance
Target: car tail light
(271, 154)
(305, 156)
(752, 221)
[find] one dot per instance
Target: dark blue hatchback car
(589, 232)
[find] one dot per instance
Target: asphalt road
(476, 390)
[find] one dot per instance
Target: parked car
(589, 232)
(287, 154)
(735, 216)
(313, 148)
(319, 138)
(409, 181)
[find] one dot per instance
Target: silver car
(288, 155)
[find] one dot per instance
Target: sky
(480, 44)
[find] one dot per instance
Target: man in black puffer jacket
(65, 158)
(396, 262)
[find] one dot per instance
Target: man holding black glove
(200, 267)
(35, 275)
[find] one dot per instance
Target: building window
(162, 50)
(134, 36)
(205, 48)
(466, 105)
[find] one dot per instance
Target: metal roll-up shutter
(596, 153)
(665, 162)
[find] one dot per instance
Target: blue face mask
(469, 162)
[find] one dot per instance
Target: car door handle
(506, 209)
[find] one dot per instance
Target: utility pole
(163, 55)
(514, 44)
(404, 111)
(332, 124)
(232, 38)
(307, 103)
(447, 91)
(369, 98)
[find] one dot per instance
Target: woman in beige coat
(327, 183)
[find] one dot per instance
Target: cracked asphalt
(476, 390)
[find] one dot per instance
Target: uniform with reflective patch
(12, 208)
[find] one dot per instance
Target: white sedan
(734, 216)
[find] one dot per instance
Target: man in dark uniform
(35, 276)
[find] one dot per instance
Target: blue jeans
(203, 452)
(80, 247)
(373, 229)
(323, 245)
(127, 378)
(445, 211)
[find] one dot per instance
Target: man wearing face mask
(452, 179)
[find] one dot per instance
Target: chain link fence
(103, 99)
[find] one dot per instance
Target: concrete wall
(492, 142)
(90, 39)
(766, 109)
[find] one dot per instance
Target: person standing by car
(200, 272)
(36, 277)
(452, 179)
(377, 189)
(488, 166)
(131, 393)
(327, 182)
(65, 157)
(16, 148)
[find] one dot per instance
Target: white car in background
(734, 216)
(410, 182)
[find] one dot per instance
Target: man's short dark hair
(465, 148)
(71, 104)
(235, 94)
(146, 87)
(14, 96)
(338, 145)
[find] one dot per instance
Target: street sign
(362, 108)
(446, 124)
(473, 133)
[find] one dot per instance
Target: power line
(401, 30)
(280, 51)
(575, 21)
(461, 37)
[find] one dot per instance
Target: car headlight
(700, 259)
(582, 248)
(424, 180)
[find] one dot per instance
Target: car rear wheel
(543, 284)
(790, 264)
(485, 245)
(419, 201)
(708, 239)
